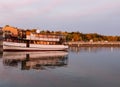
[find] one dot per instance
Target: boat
(14, 46)
(25, 40)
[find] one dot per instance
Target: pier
(93, 44)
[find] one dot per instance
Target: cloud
(57, 12)
(55, 8)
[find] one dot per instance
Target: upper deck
(43, 37)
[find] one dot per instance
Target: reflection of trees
(37, 63)
(84, 49)
(89, 49)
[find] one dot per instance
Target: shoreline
(93, 44)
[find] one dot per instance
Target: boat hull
(11, 46)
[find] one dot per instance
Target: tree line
(78, 36)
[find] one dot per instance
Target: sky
(86, 16)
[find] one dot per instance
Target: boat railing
(42, 38)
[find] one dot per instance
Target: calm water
(80, 67)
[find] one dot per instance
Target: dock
(93, 44)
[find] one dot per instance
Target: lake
(80, 67)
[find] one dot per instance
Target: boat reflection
(35, 60)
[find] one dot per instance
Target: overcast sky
(86, 16)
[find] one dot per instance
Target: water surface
(80, 67)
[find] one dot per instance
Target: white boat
(33, 42)
(14, 46)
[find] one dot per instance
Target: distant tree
(7, 25)
(69, 37)
(48, 32)
(89, 36)
(58, 32)
(42, 32)
(33, 30)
